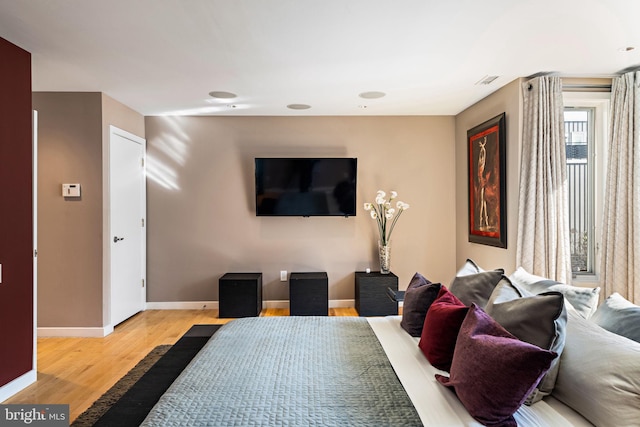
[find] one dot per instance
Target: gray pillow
(600, 374)
(583, 300)
(475, 288)
(537, 319)
(418, 297)
(620, 316)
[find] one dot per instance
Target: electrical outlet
(283, 275)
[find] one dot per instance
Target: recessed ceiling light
(372, 95)
(298, 106)
(222, 95)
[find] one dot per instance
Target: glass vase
(384, 252)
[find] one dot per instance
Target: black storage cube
(240, 295)
(308, 294)
(372, 298)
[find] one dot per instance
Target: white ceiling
(165, 56)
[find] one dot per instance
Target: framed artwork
(486, 149)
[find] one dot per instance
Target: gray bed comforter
(288, 371)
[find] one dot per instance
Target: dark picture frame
(486, 153)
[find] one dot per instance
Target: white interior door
(127, 205)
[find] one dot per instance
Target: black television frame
(352, 186)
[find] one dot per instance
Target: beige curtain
(621, 229)
(543, 213)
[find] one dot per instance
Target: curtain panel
(543, 246)
(620, 270)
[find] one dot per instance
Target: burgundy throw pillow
(418, 297)
(441, 326)
(492, 371)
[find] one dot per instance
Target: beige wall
(69, 230)
(200, 207)
(508, 100)
(71, 131)
(119, 115)
(201, 219)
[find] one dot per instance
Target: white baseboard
(94, 332)
(17, 385)
(276, 303)
(183, 305)
(342, 303)
(213, 305)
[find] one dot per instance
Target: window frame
(599, 102)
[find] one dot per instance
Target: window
(579, 143)
(585, 138)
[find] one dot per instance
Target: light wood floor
(77, 371)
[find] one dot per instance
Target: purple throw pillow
(492, 371)
(418, 297)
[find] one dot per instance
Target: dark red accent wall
(16, 213)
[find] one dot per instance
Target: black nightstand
(308, 294)
(240, 295)
(372, 298)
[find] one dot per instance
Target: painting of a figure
(486, 149)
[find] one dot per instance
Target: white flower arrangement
(382, 212)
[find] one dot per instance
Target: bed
(322, 371)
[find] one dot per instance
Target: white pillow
(599, 374)
(620, 316)
(469, 267)
(583, 300)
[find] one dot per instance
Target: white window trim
(600, 101)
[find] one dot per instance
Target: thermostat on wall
(70, 190)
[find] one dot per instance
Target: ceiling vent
(486, 80)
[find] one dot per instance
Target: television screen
(305, 186)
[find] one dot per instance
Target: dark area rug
(129, 401)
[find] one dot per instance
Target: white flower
(382, 211)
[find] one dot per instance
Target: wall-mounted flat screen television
(306, 186)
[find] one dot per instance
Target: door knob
(116, 239)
